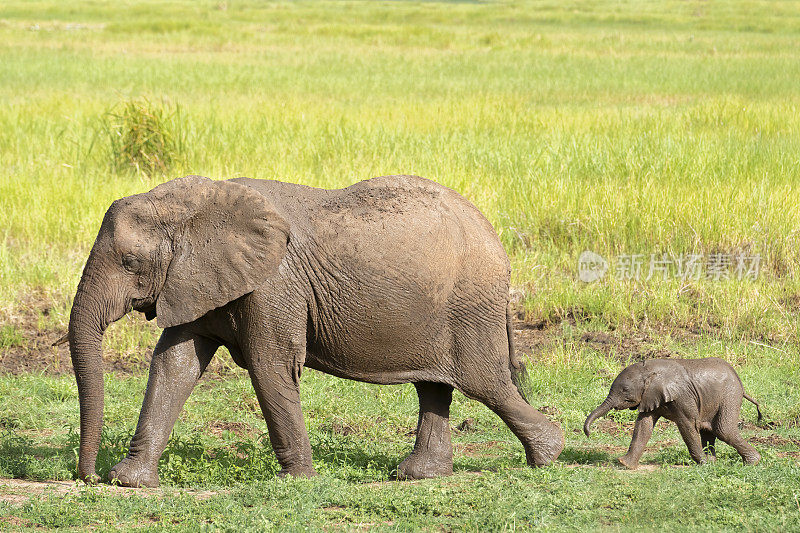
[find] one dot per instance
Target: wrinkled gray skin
(702, 396)
(392, 280)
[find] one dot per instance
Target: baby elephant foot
(298, 471)
(129, 473)
(420, 466)
(627, 462)
(701, 459)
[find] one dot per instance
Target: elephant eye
(131, 263)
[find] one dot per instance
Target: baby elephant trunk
(602, 410)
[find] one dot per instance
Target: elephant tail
(519, 373)
(751, 400)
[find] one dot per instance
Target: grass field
(617, 127)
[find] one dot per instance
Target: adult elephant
(393, 280)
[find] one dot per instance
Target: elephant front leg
(179, 359)
(433, 452)
(691, 436)
(642, 432)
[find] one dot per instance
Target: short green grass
(360, 432)
(616, 127)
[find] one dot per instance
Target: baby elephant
(702, 396)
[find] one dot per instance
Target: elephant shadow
(22, 458)
(583, 456)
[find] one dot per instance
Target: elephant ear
(226, 240)
(663, 386)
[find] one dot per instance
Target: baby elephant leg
(691, 436)
(728, 431)
(750, 455)
(708, 440)
(641, 434)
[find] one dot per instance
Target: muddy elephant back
(414, 226)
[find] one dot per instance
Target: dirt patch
(467, 426)
(610, 427)
(477, 449)
(14, 521)
(625, 348)
(534, 337)
(614, 428)
(789, 455)
(773, 440)
(339, 427)
(240, 429)
(549, 411)
(27, 348)
(37, 323)
(772, 424)
(19, 491)
(38, 356)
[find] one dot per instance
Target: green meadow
(634, 128)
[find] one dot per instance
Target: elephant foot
(752, 459)
(546, 446)
(90, 478)
(424, 466)
(129, 473)
(628, 463)
(298, 471)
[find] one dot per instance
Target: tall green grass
(616, 127)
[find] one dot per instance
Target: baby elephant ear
(226, 241)
(664, 386)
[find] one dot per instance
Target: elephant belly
(399, 348)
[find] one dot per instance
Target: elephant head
(184, 248)
(645, 386)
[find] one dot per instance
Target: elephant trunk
(601, 410)
(90, 316)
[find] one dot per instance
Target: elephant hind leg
(708, 441)
(727, 429)
(485, 363)
(433, 453)
(543, 440)
(730, 435)
(750, 455)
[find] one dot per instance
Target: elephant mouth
(146, 306)
(632, 405)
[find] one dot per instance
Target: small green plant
(10, 336)
(145, 137)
